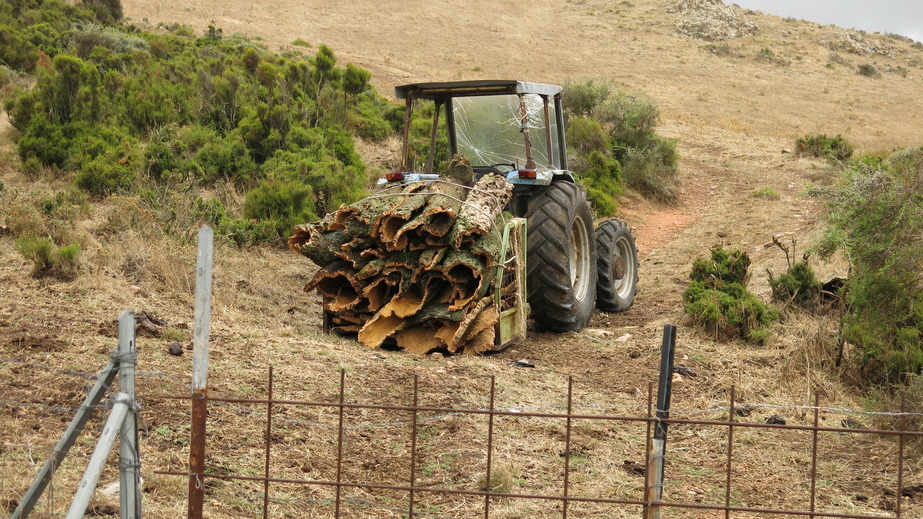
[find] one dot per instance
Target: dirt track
(733, 118)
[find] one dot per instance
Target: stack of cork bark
(413, 265)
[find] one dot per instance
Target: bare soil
(735, 118)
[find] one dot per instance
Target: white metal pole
(129, 454)
(103, 381)
(87, 486)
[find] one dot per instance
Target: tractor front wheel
(561, 272)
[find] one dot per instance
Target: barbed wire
(87, 375)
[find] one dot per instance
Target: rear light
(527, 173)
(394, 177)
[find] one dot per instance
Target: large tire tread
(552, 301)
(617, 266)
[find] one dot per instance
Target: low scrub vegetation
(49, 259)
(876, 218)
(613, 140)
(718, 300)
(116, 110)
(798, 285)
(820, 145)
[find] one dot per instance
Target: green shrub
(648, 162)
(819, 145)
(582, 99)
(89, 36)
(876, 217)
(722, 267)
(653, 170)
(113, 105)
(49, 260)
(719, 302)
(587, 135)
(798, 285)
(868, 71)
(603, 179)
(280, 205)
(103, 177)
(108, 10)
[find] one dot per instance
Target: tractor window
(489, 130)
(420, 132)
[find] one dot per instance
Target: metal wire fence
(347, 488)
(411, 491)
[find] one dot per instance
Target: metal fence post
(203, 296)
(87, 486)
(657, 454)
(129, 454)
(103, 381)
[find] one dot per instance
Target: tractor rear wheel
(561, 272)
(617, 266)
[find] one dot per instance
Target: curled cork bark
(414, 265)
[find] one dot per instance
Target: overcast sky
(895, 16)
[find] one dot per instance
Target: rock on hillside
(712, 20)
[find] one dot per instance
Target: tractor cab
(510, 128)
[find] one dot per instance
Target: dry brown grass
(733, 116)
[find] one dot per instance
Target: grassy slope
(733, 116)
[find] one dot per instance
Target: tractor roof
(473, 88)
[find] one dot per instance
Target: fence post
(656, 456)
(129, 455)
(202, 315)
(103, 381)
(87, 486)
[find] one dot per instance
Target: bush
(875, 216)
(602, 177)
(622, 126)
(798, 285)
(111, 104)
(819, 145)
(280, 205)
(102, 177)
(719, 302)
(90, 36)
(869, 71)
(653, 170)
(49, 260)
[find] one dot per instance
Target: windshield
(489, 130)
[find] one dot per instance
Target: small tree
(876, 218)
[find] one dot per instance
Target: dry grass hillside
(736, 107)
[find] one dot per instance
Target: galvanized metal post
(657, 455)
(129, 455)
(87, 487)
(202, 316)
(84, 413)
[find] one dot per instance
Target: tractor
(516, 129)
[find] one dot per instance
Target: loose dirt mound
(712, 20)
